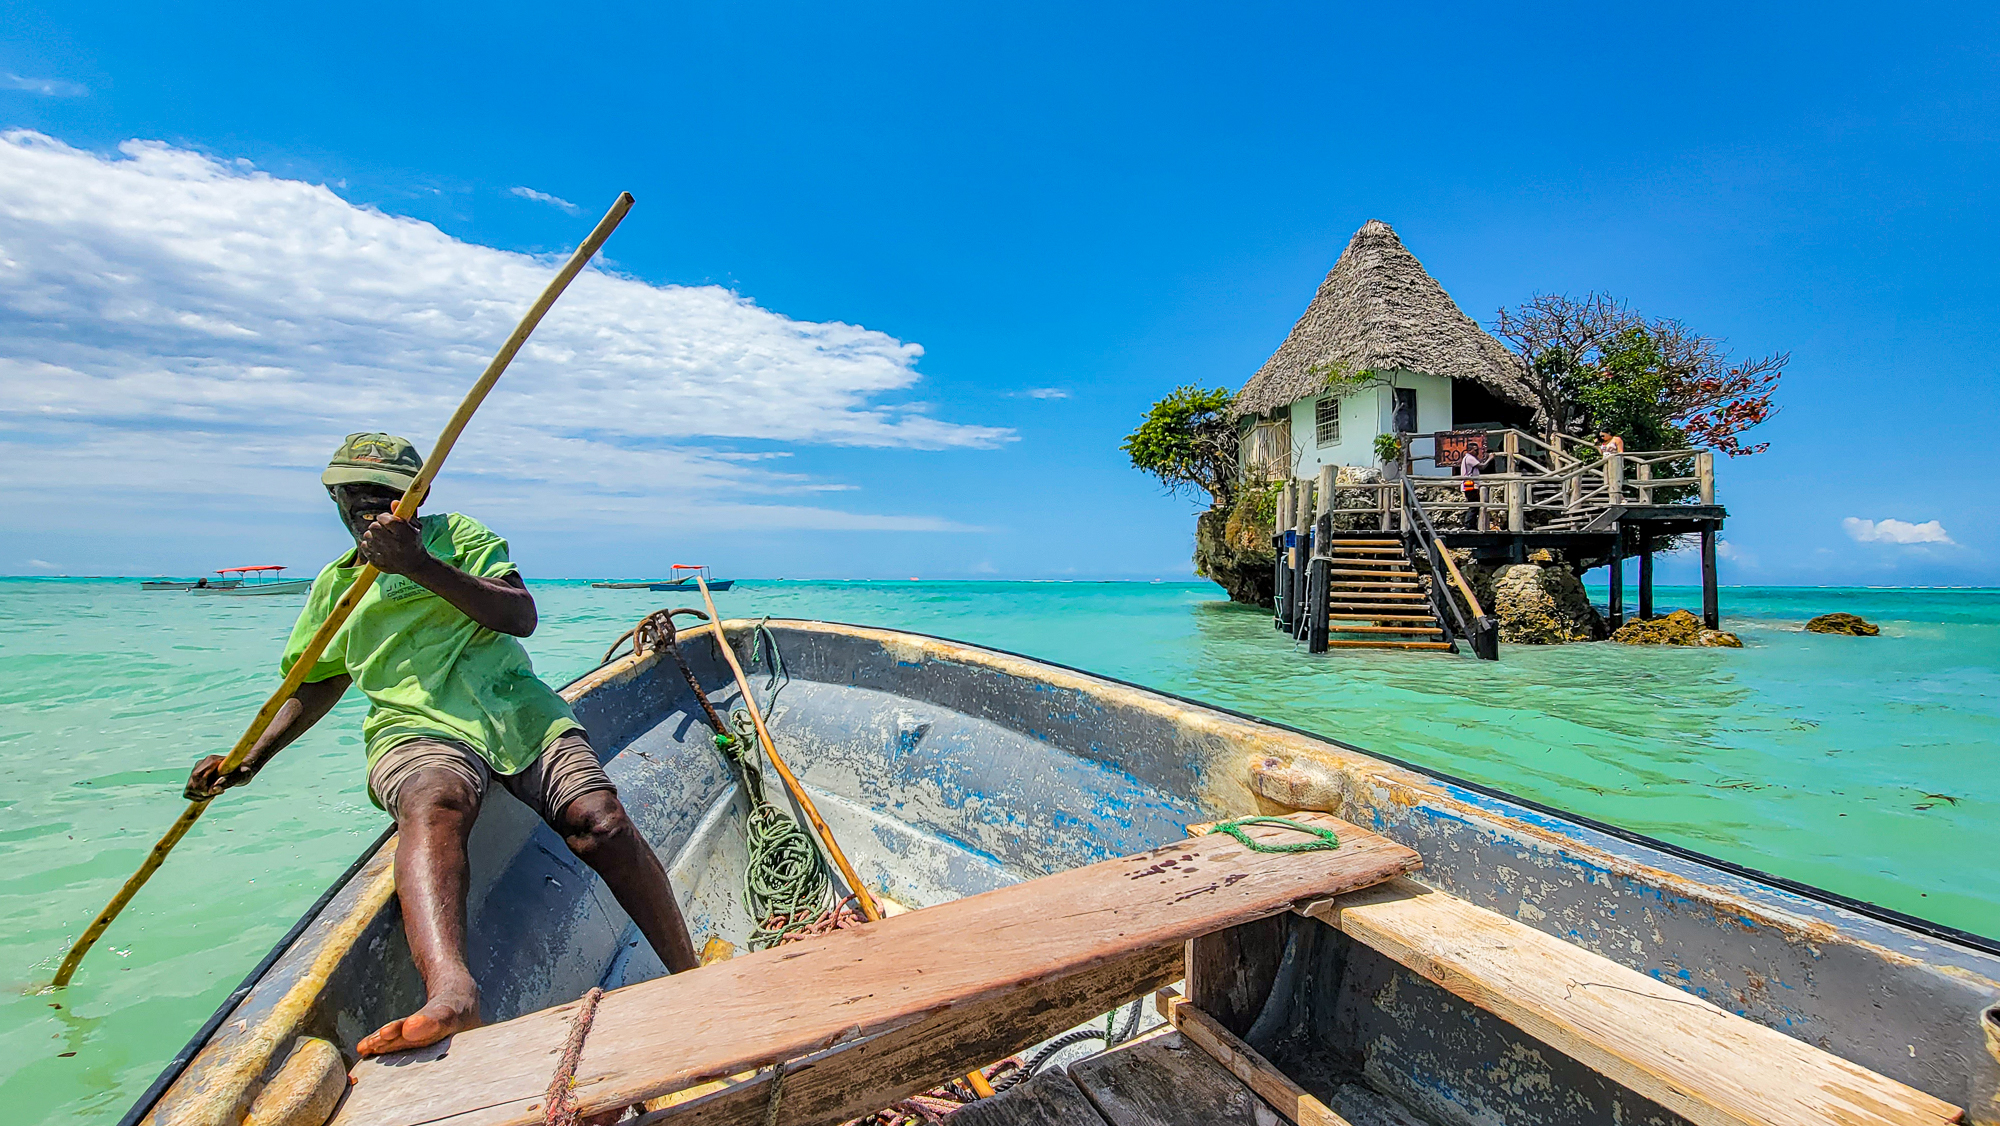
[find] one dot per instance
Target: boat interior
(1044, 840)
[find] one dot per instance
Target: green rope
(785, 887)
(1326, 840)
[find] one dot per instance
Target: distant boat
(678, 582)
(176, 584)
(267, 582)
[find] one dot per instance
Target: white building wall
(1363, 415)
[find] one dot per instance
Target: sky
(900, 278)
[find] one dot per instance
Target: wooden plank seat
(1697, 1060)
(870, 1015)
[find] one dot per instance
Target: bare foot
(442, 1016)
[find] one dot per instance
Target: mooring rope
(559, 1105)
(1327, 839)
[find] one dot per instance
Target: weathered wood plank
(1246, 1063)
(782, 1004)
(1706, 1065)
(1049, 1099)
(852, 1080)
(1166, 1081)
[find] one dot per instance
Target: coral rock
(1848, 624)
(1677, 628)
(1543, 606)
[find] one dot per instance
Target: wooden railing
(1482, 632)
(1543, 482)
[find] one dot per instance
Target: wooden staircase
(1374, 600)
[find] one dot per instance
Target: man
(454, 708)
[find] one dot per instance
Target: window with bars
(1326, 421)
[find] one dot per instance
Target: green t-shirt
(429, 671)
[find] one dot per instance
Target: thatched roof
(1378, 310)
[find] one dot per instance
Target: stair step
(1367, 581)
(1385, 595)
(1430, 630)
(1368, 560)
(1385, 616)
(1371, 574)
(1337, 642)
(1386, 543)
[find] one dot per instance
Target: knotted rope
(559, 1105)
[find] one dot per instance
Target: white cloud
(194, 331)
(44, 565)
(46, 87)
(1895, 531)
(1043, 393)
(544, 197)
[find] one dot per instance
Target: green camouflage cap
(378, 459)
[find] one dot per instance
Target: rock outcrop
(1539, 605)
(1849, 624)
(1235, 553)
(1677, 628)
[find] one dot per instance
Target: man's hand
(395, 547)
(204, 781)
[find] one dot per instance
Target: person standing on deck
(1468, 468)
(455, 707)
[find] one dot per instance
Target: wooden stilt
(1711, 606)
(1617, 582)
(1645, 578)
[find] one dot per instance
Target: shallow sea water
(1864, 766)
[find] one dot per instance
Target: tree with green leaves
(1595, 365)
(1188, 441)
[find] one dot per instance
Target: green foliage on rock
(1188, 441)
(1387, 448)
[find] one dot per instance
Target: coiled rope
(787, 890)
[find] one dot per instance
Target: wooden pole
(792, 785)
(363, 579)
(1618, 580)
(1645, 578)
(1711, 604)
(869, 910)
(1704, 472)
(1517, 519)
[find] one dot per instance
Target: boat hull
(255, 590)
(946, 769)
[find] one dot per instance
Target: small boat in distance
(266, 582)
(177, 584)
(678, 582)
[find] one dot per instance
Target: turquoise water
(1866, 766)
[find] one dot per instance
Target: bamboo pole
(974, 1079)
(792, 785)
(365, 578)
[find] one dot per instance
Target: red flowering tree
(1595, 365)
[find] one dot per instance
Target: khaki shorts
(564, 772)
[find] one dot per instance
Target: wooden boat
(678, 582)
(176, 584)
(266, 581)
(1537, 968)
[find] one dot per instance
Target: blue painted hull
(946, 770)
